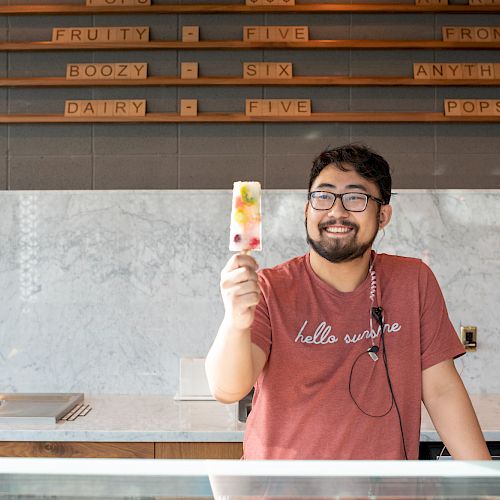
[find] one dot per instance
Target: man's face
(336, 234)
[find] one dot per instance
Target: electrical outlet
(468, 334)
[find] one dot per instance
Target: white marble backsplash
(104, 291)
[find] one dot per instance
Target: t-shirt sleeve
(261, 326)
(439, 341)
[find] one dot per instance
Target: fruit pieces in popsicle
(245, 233)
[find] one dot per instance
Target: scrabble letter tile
(268, 70)
(190, 33)
(483, 34)
(189, 107)
(438, 71)
(269, 107)
(121, 107)
(122, 71)
(287, 107)
(251, 33)
(72, 108)
(251, 70)
(485, 107)
(304, 107)
(468, 107)
(469, 70)
(253, 107)
(422, 71)
(89, 108)
(105, 107)
(73, 71)
(301, 34)
(139, 71)
(451, 107)
(189, 70)
(486, 71)
(284, 70)
(60, 35)
(139, 34)
(450, 33)
(106, 71)
(453, 71)
(137, 107)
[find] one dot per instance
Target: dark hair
(368, 164)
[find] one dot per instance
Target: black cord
(377, 314)
(384, 357)
(354, 399)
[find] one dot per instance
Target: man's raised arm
(233, 363)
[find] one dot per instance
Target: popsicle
(246, 231)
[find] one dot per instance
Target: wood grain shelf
(241, 45)
(241, 8)
(358, 117)
(296, 81)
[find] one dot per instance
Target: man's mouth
(338, 229)
(334, 228)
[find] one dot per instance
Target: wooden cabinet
(199, 450)
(68, 449)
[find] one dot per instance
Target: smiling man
(341, 344)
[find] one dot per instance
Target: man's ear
(384, 216)
(305, 209)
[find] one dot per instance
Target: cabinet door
(199, 450)
(65, 449)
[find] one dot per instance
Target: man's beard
(336, 250)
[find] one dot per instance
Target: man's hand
(240, 291)
(234, 362)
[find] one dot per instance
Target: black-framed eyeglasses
(352, 202)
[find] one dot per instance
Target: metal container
(36, 408)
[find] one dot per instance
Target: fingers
(243, 296)
(245, 288)
(240, 290)
(239, 275)
(247, 302)
(241, 260)
(237, 288)
(239, 269)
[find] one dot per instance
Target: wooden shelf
(241, 8)
(241, 118)
(296, 81)
(241, 45)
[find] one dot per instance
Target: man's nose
(338, 209)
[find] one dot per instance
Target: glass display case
(36, 478)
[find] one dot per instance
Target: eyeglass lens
(353, 202)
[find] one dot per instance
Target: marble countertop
(140, 418)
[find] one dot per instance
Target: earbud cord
(384, 357)
(373, 292)
(378, 313)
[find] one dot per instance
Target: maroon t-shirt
(313, 334)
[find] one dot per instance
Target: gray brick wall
(187, 156)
